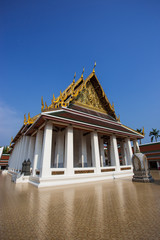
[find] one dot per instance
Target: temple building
(75, 139)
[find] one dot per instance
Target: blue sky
(43, 43)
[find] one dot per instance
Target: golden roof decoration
(82, 73)
(25, 119)
(118, 119)
(42, 104)
(143, 132)
(72, 91)
(11, 141)
(30, 120)
(94, 67)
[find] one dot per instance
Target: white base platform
(79, 178)
(75, 179)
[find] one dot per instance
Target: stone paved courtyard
(112, 209)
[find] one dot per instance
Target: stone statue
(140, 168)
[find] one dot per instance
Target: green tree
(154, 134)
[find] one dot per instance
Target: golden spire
(46, 106)
(74, 78)
(25, 119)
(82, 73)
(42, 104)
(118, 119)
(11, 141)
(29, 117)
(94, 67)
(53, 99)
(143, 131)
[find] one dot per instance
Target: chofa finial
(94, 67)
(74, 78)
(143, 131)
(11, 141)
(25, 119)
(82, 73)
(42, 104)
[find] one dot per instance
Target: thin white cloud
(10, 123)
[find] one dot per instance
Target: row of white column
(39, 150)
(42, 160)
(23, 150)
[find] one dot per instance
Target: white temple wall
(37, 151)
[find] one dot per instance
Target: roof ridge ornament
(25, 119)
(46, 107)
(143, 132)
(82, 73)
(11, 141)
(42, 104)
(74, 78)
(94, 67)
(118, 119)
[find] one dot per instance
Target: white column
(27, 138)
(102, 156)
(123, 153)
(15, 156)
(114, 152)
(18, 153)
(12, 160)
(136, 146)
(95, 151)
(69, 150)
(59, 150)
(20, 158)
(31, 149)
(129, 151)
(37, 151)
(46, 150)
(84, 151)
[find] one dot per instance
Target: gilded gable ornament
(89, 98)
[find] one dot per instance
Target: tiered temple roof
(83, 104)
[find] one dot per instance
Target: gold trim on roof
(30, 120)
(75, 88)
(11, 141)
(132, 130)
